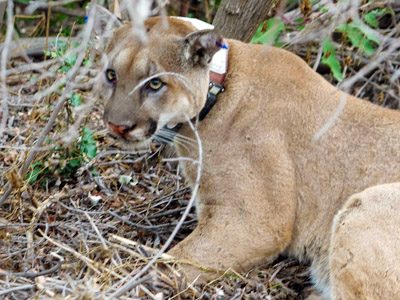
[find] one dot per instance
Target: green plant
(274, 27)
(360, 36)
(60, 51)
(357, 34)
(75, 99)
(371, 17)
(37, 168)
(64, 162)
(329, 58)
(88, 144)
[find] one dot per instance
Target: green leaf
(352, 33)
(75, 99)
(368, 32)
(91, 151)
(32, 176)
(88, 144)
(299, 20)
(300, 23)
(87, 62)
(258, 32)
(370, 17)
(71, 59)
(80, 20)
(52, 54)
(37, 168)
(367, 47)
(330, 59)
(64, 69)
(60, 17)
(75, 163)
(87, 135)
(269, 37)
(359, 35)
(60, 44)
(322, 9)
(371, 20)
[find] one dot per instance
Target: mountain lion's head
(162, 81)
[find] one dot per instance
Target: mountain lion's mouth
(133, 137)
(152, 128)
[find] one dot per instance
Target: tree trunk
(184, 9)
(238, 19)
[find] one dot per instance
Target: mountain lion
(267, 186)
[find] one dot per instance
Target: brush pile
(80, 218)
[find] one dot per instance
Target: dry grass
(82, 232)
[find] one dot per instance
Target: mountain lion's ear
(200, 46)
(104, 20)
(104, 24)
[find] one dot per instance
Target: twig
(151, 228)
(17, 288)
(147, 292)
(180, 159)
(126, 242)
(166, 213)
(318, 58)
(32, 66)
(97, 231)
(33, 275)
(4, 59)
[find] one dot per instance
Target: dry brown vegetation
(80, 218)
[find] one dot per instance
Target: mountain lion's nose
(122, 130)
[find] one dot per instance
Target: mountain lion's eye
(111, 76)
(155, 84)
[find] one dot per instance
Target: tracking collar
(219, 67)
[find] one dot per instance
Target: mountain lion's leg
(247, 220)
(364, 256)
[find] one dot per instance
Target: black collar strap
(213, 92)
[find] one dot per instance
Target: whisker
(180, 143)
(170, 140)
(162, 139)
(177, 134)
(186, 142)
(176, 139)
(183, 137)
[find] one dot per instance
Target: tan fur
(364, 251)
(267, 187)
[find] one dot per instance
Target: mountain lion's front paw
(189, 272)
